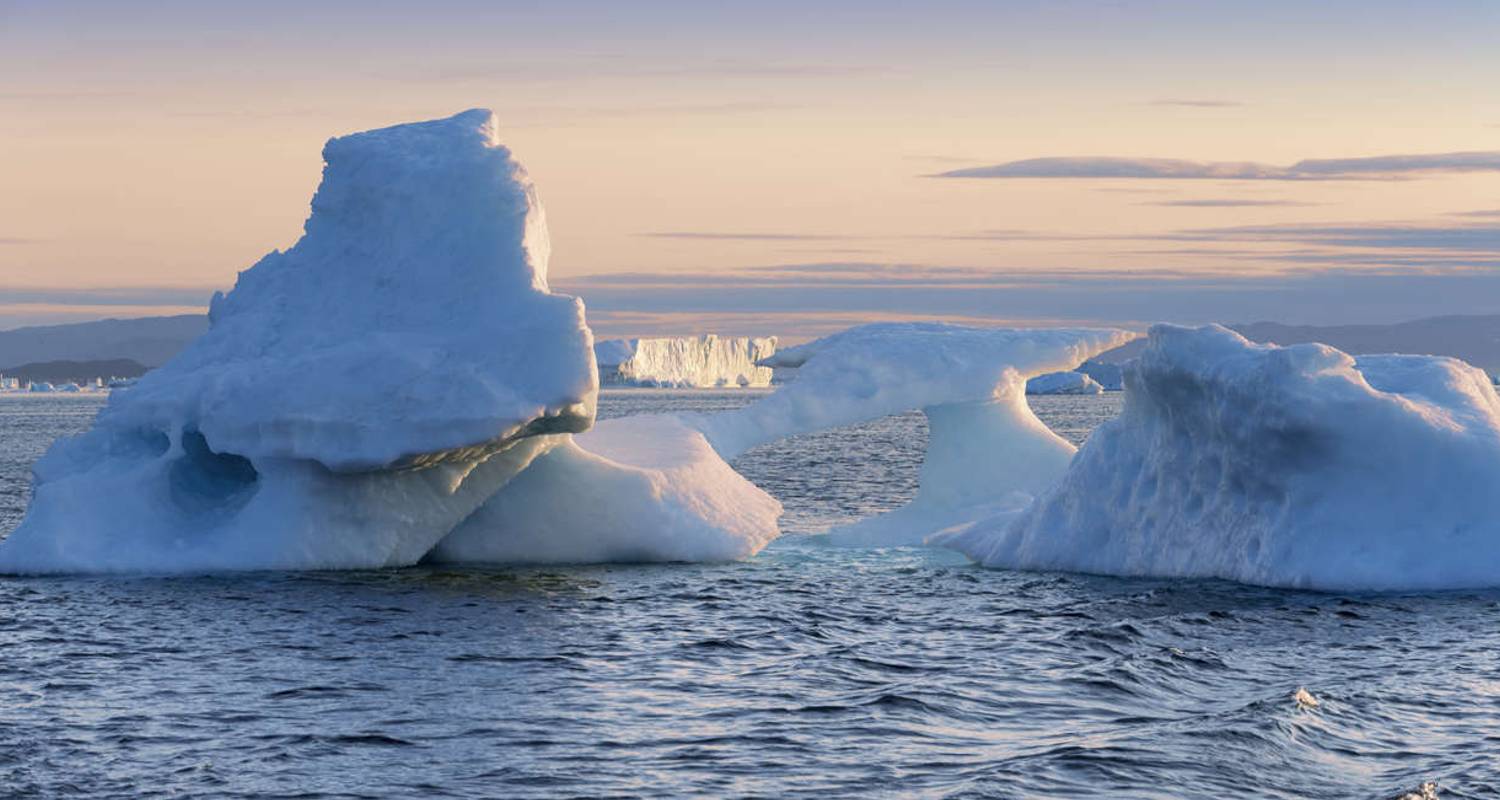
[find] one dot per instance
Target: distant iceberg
(685, 362)
(356, 397)
(1109, 376)
(986, 450)
(1063, 383)
(1285, 466)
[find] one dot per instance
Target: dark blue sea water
(809, 671)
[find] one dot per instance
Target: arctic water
(807, 671)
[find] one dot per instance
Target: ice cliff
(986, 449)
(1291, 466)
(692, 362)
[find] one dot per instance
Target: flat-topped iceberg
(686, 362)
(1286, 466)
(355, 398)
(986, 450)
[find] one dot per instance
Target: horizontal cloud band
(1177, 169)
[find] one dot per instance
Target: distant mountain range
(1475, 339)
(75, 371)
(151, 341)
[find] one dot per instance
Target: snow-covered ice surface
(686, 362)
(1063, 383)
(634, 489)
(356, 396)
(987, 452)
(1297, 466)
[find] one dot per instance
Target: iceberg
(355, 398)
(986, 450)
(685, 362)
(1111, 377)
(632, 489)
(1063, 383)
(1294, 466)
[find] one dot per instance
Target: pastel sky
(789, 167)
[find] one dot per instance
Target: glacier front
(1291, 466)
(685, 362)
(355, 398)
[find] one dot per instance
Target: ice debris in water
(1427, 791)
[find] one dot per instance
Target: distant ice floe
(986, 450)
(1284, 466)
(685, 362)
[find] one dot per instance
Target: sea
(808, 671)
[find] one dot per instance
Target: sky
(791, 167)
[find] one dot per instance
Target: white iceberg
(986, 450)
(356, 396)
(1285, 466)
(1063, 383)
(1109, 376)
(634, 489)
(685, 362)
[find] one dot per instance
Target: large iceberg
(1291, 466)
(986, 450)
(356, 396)
(686, 362)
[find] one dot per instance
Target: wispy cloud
(1226, 202)
(153, 296)
(1370, 168)
(852, 291)
(747, 236)
(604, 65)
(1189, 102)
(1465, 238)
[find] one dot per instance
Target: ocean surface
(810, 671)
